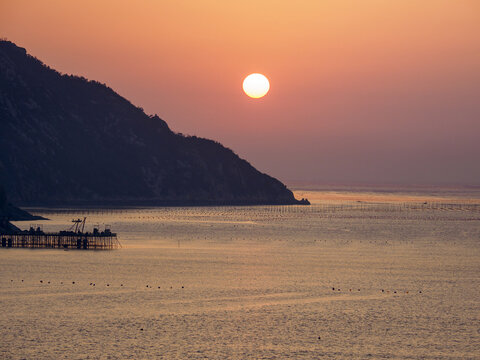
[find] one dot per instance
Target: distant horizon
(331, 184)
(447, 193)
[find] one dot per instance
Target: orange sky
(361, 91)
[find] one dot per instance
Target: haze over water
(254, 282)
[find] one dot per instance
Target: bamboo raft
(70, 239)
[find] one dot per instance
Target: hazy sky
(361, 91)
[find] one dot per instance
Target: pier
(71, 239)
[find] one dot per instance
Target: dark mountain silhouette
(67, 140)
(9, 212)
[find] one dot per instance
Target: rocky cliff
(67, 140)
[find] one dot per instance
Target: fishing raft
(74, 238)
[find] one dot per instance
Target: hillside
(65, 140)
(9, 212)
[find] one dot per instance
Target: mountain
(65, 140)
(10, 212)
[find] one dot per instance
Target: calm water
(254, 283)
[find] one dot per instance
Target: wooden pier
(72, 239)
(86, 241)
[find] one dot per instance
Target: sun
(256, 85)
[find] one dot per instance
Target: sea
(362, 273)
